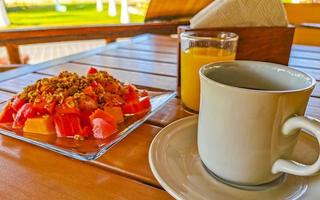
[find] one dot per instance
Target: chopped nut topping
(106, 89)
(78, 137)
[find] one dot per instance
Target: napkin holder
(268, 44)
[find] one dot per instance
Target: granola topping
(103, 88)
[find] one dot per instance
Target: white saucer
(175, 162)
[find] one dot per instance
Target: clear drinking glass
(198, 49)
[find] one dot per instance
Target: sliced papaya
(116, 112)
(41, 125)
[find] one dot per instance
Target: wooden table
(30, 172)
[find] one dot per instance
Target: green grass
(76, 14)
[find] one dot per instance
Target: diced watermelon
(132, 95)
(68, 107)
(145, 102)
(142, 105)
(67, 125)
(45, 106)
(7, 113)
(17, 103)
(102, 129)
(92, 70)
(86, 131)
(103, 115)
(129, 108)
(84, 118)
(25, 112)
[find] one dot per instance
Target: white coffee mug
(250, 116)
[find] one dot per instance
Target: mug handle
(290, 127)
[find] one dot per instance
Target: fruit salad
(70, 105)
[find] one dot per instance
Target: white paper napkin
(237, 13)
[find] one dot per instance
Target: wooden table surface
(30, 172)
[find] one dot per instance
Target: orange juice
(191, 61)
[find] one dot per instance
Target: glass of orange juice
(198, 49)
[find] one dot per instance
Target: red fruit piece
(133, 108)
(103, 115)
(129, 108)
(67, 125)
(132, 95)
(64, 110)
(92, 70)
(142, 105)
(17, 103)
(144, 93)
(68, 107)
(7, 113)
(84, 118)
(86, 131)
(102, 129)
(25, 112)
(46, 107)
(145, 102)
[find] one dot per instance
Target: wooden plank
(166, 69)
(16, 85)
(306, 63)
(173, 43)
(141, 55)
(169, 113)
(4, 96)
(315, 73)
(142, 79)
(163, 38)
(305, 55)
(316, 91)
(132, 156)
(29, 172)
(304, 11)
(37, 67)
(13, 52)
(174, 9)
(307, 36)
(160, 49)
(305, 48)
(313, 109)
(68, 33)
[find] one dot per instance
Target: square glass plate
(91, 148)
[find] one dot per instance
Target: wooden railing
(11, 39)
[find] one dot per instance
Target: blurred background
(16, 14)
(44, 13)
(23, 13)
